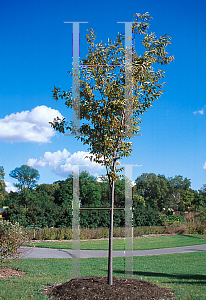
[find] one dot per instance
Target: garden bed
(97, 288)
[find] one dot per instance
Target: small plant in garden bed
(12, 236)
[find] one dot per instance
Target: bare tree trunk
(110, 270)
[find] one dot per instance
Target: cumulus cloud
(204, 166)
(29, 126)
(49, 160)
(10, 188)
(201, 112)
(61, 162)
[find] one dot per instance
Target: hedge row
(62, 217)
(49, 217)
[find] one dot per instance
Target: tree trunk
(110, 279)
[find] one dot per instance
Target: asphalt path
(34, 252)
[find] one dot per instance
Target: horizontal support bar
(100, 208)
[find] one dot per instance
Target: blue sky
(36, 54)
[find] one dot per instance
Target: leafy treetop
(102, 93)
(26, 176)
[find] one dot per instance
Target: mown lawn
(184, 273)
(138, 243)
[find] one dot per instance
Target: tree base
(97, 288)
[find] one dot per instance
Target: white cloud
(201, 112)
(9, 187)
(99, 179)
(62, 162)
(204, 166)
(29, 126)
(49, 159)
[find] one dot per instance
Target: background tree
(103, 99)
(202, 193)
(187, 198)
(197, 201)
(26, 176)
(64, 194)
(153, 189)
(44, 195)
(177, 187)
(90, 191)
(12, 198)
(105, 191)
(138, 201)
(119, 192)
(2, 185)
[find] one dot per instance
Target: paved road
(33, 252)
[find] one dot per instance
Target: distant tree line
(150, 191)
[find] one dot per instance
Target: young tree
(105, 98)
(26, 176)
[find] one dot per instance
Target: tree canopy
(26, 176)
(153, 189)
(102, 93)
(160, 193)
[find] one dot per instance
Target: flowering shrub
(12, 236)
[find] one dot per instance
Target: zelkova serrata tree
(105, 98)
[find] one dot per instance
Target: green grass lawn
(184, 273)
(138, 244)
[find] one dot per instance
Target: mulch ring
(91, 287)
(6, 272)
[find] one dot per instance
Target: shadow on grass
(199, 237)
(190, 279)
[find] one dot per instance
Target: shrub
(146, 217)
(169, 220)
(62, 217)
(12, 236)
(91, 233)
(177, 229)
(196, 228)
(50, 234)
(145, 230)
(34, 216)
(197, 224)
